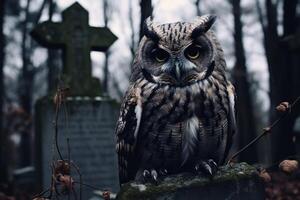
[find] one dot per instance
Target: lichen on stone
(170, 185)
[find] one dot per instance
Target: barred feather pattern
(164, 138)
(167, 117)
(162, 126)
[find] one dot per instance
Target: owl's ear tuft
(149, 31)
(202, 25)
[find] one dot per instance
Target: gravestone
(91, 118)
(77, 39)
(90, 129)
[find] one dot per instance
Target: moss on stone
(171, 184)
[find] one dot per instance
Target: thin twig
(296, 101)
(265, 131)
(69, 157)
(56, 125)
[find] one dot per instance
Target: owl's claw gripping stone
(163, 172)
(150, 176)
(208, 167)
(146, 174)
(238, 181)
(153, 175)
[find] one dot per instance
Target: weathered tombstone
(77, 39)
(90, 127)
(91, 119)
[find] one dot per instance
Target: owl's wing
(232, 127)
(126, 133)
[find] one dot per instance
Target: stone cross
(77, 39)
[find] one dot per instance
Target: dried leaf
(267, 129)
(62, 167)
(67, 181)
(61, 95)
(56, 99)
(265, 176)
(283, 107)
(106, 195)
(64, 92)
(288, 166)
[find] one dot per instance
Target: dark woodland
(30, 72)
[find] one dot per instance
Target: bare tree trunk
(289, 17)
(146, 11)
(39, 14)
(197, 4)
(290, 24)
(281, 73)
(25, 87)
(245, 119)
(3, 162)
(282, 144)
(132, 44)
(106, 72)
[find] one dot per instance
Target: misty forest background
(259, 38)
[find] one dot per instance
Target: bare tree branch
(146, 11)
(40, 12)
(131, 24)
(197, 4)
(3, 167)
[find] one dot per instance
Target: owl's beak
(182, 71)
(178, 69)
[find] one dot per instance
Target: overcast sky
(166, 11)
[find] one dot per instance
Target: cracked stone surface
(239, 181)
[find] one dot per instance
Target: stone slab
(90, 127)
(239, 181)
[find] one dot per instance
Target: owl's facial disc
(185, 66)
(178, 68)
(179, 53)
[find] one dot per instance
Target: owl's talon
(213, 164)
(208, 167)
(163, 172)
(146, 174)
(150, 176)
(154, 175)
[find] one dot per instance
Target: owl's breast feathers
(165, 125)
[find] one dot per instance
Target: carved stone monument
(77, 39)
(90, 118)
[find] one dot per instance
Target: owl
(178, 112)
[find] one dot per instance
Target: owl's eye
(193, 52)
(160, 55)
